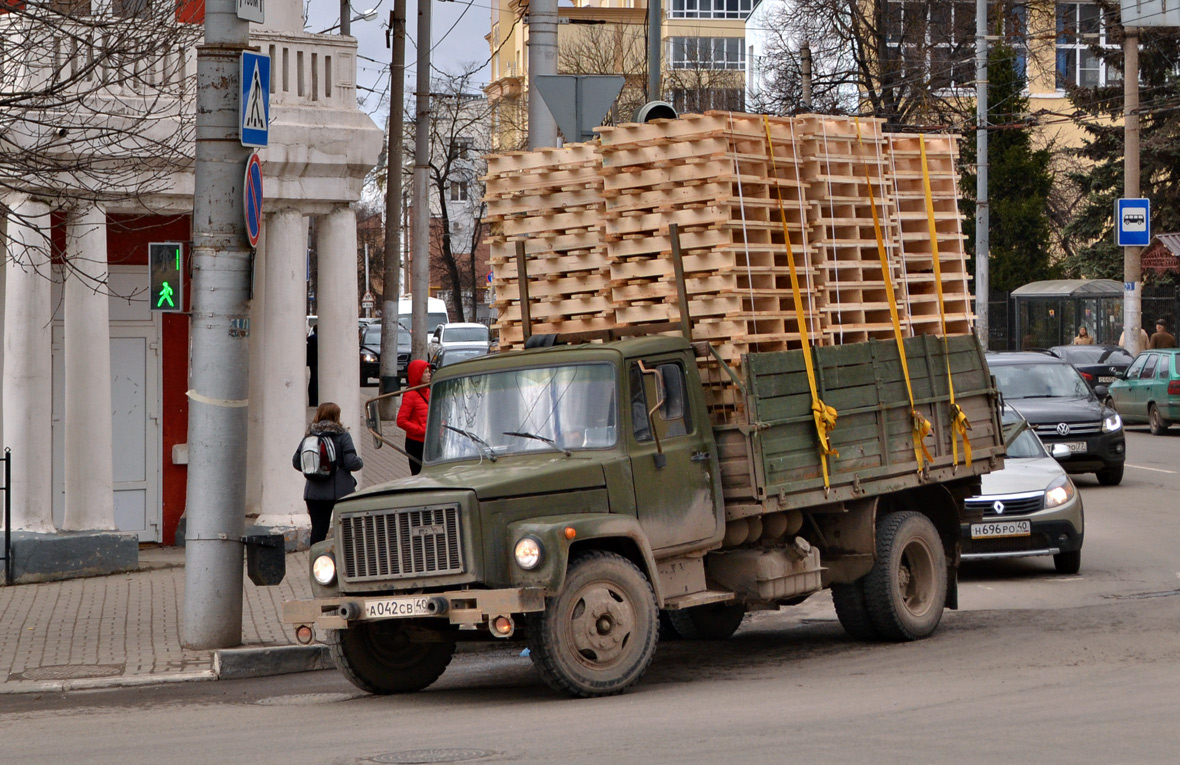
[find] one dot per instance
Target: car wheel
(1068, 562)
(1111, 476)
(1156, 421)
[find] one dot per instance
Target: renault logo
(1063, 428)
(998, 506)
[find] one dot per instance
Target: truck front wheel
(906, 589)
(377, 657)
(598, 635)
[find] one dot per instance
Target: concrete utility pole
(805, 72)
(542, 60)
(391, 291)
(220, 327)
(655, 18)
(345, 21)
(420, 234)
(982, 209)
(1132, 268)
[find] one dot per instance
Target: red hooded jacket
(411, 417)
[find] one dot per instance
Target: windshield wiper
(535, 437)
(475, 439)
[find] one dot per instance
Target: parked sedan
(1030, 507)
(1062, 409)
(454, 354)
(371, 352)
(1149, 391)
(458, 334)
(1098, 364)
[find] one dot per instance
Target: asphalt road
(1034, 667)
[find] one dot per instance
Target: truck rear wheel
(378, 658)
(905, 591)
(597, 636)
(715, 621)
(852, 612)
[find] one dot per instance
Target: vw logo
(998, 506)
(1063, 428)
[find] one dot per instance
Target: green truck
(581, 495)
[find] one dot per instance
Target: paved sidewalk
(124, 629)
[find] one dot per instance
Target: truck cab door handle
(699, 457)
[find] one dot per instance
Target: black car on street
(1062, 408)
(1098, 364)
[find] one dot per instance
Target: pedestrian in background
(1162, 337)
(411, 415)
(1084, 337)
(321, 494)
(1143, 339)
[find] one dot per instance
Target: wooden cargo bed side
(778, 463)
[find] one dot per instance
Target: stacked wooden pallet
(551, 200)
(917, 252)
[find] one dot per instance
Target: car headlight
(1059, 492)
(323, 569)
(1112, 423)
(369, 358)
(527, 553)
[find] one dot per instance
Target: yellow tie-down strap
(959, 422)
(920, 426)
(824, 415)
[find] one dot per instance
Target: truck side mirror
(373, 421)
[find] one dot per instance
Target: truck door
(673, 492)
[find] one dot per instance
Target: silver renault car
(1030, 507)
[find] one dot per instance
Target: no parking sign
(252, 197)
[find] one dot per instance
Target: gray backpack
(317, 457)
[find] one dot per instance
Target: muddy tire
(905, 592)
(376, 657)
(715, 621)
(1156, 421)
(597, 636)
(852, 612)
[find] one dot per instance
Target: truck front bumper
(462, 608)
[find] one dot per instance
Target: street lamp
(345, 23)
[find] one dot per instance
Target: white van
(436, 312)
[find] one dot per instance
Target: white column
(283, 360)
(339, 344)
(258, 380)
(28, 367)
(89, 482)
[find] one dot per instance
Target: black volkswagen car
(1063, 409)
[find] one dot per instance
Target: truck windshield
(543, 409)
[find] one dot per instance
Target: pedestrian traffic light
(166, 270)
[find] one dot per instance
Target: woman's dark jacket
(341, 482)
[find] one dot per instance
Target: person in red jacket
(411, 416)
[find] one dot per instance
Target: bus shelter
(1050, 312)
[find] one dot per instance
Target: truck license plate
(995, 529)
(393, 608)
(1076, 447)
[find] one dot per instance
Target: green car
(1149, 391)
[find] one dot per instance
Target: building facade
(94, 382)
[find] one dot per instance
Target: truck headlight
(527, 553)
(323, 569)
(1112, 423)
(1059, 492)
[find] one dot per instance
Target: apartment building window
(934, 40)
(711, 9)
(459, 190)
(1080, 26)
(461, 147)
(700, 100)
(707, 53)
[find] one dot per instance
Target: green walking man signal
(166, 271)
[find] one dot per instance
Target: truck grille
(399, 544)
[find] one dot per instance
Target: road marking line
(1154, 470)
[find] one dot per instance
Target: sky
(457, 39)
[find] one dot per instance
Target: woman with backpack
(411, 415)
(326, 456)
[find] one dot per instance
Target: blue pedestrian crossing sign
(1132, 220)
(255, 102)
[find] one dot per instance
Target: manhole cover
(70, 672)
(304, 699)
(431, 755)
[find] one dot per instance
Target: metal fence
(7, 459)
(1158, 302)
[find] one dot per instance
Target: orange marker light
(570, 533)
